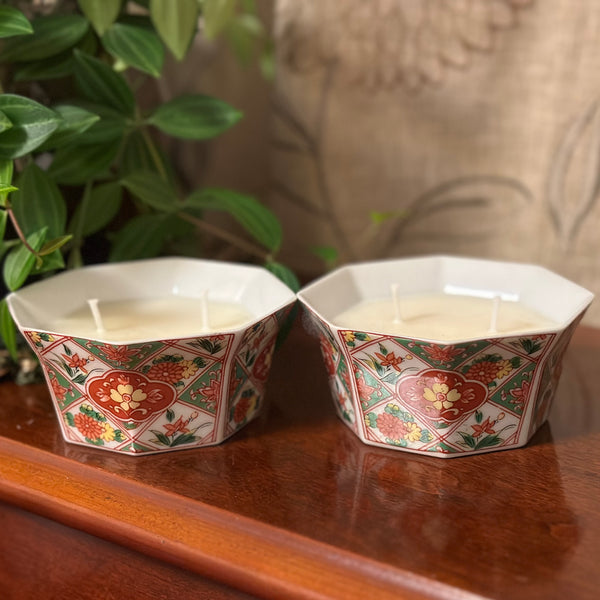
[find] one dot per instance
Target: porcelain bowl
(154, 395)
(444, 398)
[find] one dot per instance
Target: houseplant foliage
(78, 151)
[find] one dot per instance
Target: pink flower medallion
(441, 395)
(130, 396)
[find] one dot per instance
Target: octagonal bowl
(436, 396)
(154, 394)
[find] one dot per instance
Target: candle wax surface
(161, 318)
(441, 317)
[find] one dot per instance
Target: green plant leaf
(194, 117)
(6, 173)
(8, 331)
(55, 244)
(255, 218)
(99, 83)
(152, 190)
(6, 188)
(75, 165)
(50, 262)
(216, 15)
(51, 35)
(176, 23)
(32, 125)
(100, 208)
(328, 254)
(13, 22)
(38, 203)
(142, 237)
(3, 219)
(285, 274)
(75, 120)
(101, 13)
(4, 122)
(54, 67)
(111, 126)
(136, 156)
(20, 262)
(243, 33)
(136, 47)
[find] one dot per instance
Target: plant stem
(160, 167)
(226, 235)
(19, 231)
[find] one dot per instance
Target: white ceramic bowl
(154, 395)
(494, 390)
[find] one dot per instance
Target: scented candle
(442, 316)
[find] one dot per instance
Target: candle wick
(493, 328)
(396, 297)
(204, 317)
(93, 304)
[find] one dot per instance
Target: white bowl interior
(38, 304)
(551, 295)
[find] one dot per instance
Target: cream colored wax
(441, 317)
(161, 318)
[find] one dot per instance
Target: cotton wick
(93, 304)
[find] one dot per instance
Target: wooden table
(295, 506)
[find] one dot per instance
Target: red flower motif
(211, 392)
(327, 352)
(168, 372)
(59, 390)
(485, 427)
(76, 362)
(241, 409)
(345, 375)
(364, 389)
(442, 353)
(178, 426)
(389, 360)
(391, 426)
(119, 354)
(263, 362)
(484, 371)
(89, 428)
(441, 395)
(520, 394)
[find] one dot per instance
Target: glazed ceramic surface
(155, 395)
(444, 398)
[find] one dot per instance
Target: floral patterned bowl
(154, 395)
(435, 397)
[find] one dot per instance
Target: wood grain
(295, 506)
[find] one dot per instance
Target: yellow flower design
(189, 368)
(109, 433)
(36, 337)
(504, 368)
(441, 396)
(126, 397)
(349, 336)
(414, 433)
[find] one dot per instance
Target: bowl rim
(577, 312)
(14, 296)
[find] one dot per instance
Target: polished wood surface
(40, 558)
(295, 506)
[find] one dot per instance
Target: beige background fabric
(475, 123)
